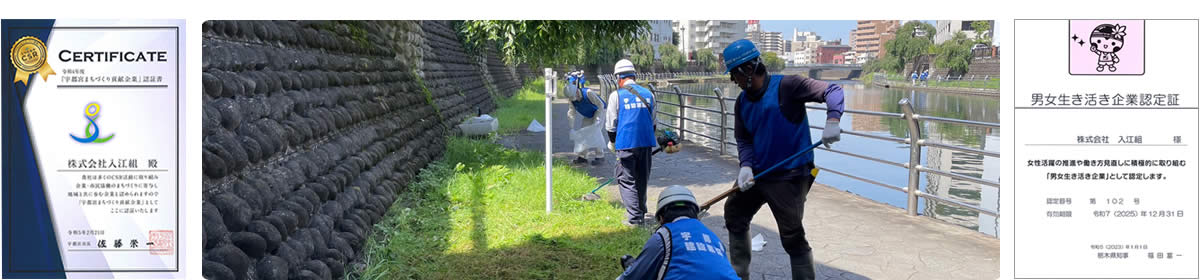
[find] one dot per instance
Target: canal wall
(313, 128)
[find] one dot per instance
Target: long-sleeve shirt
(794, 91)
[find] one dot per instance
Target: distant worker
(770, 125)
(631, 127)
(683, 248)
(914, 78)
(924, 77)
(585, 116)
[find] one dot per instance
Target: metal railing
(914, 167)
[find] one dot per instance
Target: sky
(828, 29)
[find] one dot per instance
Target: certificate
(92, 149)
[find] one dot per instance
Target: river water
(878, 99)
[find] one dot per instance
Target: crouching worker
(682, 248)
(586, 116)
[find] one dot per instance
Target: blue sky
(827, 29)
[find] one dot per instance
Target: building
(708, 34)
(947, 28)
(660, 34)
(805, 56)
(870, 36)
(766, 41)
(850, 57)
(852, 42)
(827, 53)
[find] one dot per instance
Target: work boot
(739, 253)
(802, 266)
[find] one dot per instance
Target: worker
(688, 248)
(770, 125)
(631, 133)
(585, 115)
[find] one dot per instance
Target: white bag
(588, 137)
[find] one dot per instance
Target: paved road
(852, 237)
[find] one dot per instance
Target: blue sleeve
(745, 140)
(646, 265)
(834, 101)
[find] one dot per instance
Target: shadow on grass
(479, 214)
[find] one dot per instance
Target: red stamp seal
(162, 242)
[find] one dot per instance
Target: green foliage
(954, 54)
(905, 46)
(708, 60)
(642, 55)
(671, 57)
(554, 42)
(887, 64)
(774, 63)
(980, 27)
(527, 104)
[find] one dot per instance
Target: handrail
(913, 140)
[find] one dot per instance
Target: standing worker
(585, 115)
(770, 125)
(683, 248)
(631, 130)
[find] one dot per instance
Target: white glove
(744, 177)
(832, 133)
(611, 147)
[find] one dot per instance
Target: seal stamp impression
(162, 242)
(28, 56)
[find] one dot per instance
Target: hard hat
(673, 195)
(739, 52)
(623, 68)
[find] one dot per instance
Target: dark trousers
(786, 200)
(633, 173)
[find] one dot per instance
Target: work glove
(832, 133)
(612, 148)
(744, 177)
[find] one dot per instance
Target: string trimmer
(669, 142)
(704, 207)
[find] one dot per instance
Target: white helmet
(623, 67)
(675, 194)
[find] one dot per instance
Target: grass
(528, 104)
(479, 213)
(990, 83)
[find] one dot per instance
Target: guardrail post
(721, 101)
(682, 105)
(914, 155)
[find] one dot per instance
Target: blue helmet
(739, 52)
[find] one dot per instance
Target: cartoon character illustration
(1106, 41)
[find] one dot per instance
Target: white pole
(550, 88)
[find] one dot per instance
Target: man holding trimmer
(770, 125)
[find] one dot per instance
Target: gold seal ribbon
(28, 55)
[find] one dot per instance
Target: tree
(671, 57)
(708, 60)
(954, 54)
(983, 30)
(902, 49)
(642, 55)
(773, 62)
(554, 42)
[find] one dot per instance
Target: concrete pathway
(852, 237)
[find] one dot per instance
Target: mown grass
(479, 213)
(527, 104)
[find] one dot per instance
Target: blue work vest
(635, 122)
(695, 253)
(583, 105)
(775, 138)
